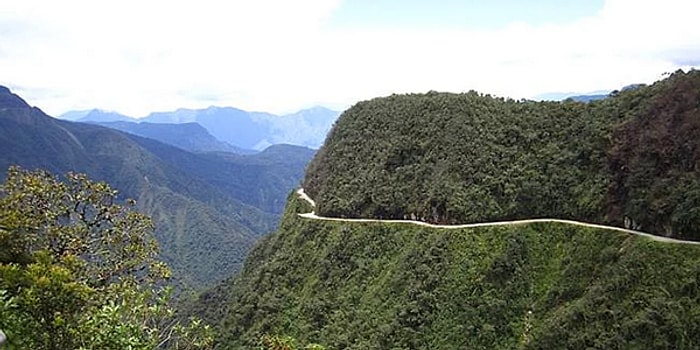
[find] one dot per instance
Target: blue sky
(136, 57)
(465, 14)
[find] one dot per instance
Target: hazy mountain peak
(10, 100)
(245, 130)
(99, 115)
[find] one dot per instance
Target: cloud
(276, 55)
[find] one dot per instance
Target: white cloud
(277, 55)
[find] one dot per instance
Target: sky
(136, 57)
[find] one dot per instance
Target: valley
(209, 207)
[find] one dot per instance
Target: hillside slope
(188, 136)
(204, 231)
(632, 158)
(379, 286)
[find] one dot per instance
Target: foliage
(79, 271)
(655, 157)
(270, 342)
(209, 209)
(401, 286)
(455, 158)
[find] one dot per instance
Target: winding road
(312, 215)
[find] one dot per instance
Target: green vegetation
(401, 286)
(208, 209)
(271, 342)
(630, 159)
(78, 271)
(457, 158)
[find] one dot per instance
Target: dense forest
(631, 159)
(402, 286)
(79, 270)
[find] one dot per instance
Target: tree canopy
(78, 269)
(633, 158)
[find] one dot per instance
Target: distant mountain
(307, 127)
(242, 129)
(262, 180)
(235, 126)
(188, 136)
(204, 230)
(561, 96)
(256, 130)
(74, 115)
(593, 96)
(587, 98)
(95, 115)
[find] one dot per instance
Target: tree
(79, 270)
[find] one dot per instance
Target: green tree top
(79, 270)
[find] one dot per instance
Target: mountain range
(242, 129)
(209, 208)
(188, 136)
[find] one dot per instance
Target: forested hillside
(632, 158)
(204, 230)
(402, 286)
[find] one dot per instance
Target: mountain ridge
(204, 231)
(188, 136)
(243, 129)
(472, 157)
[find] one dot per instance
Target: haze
(136, 57)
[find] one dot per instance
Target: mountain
(95, 115)
(237, 127)
(561, 96)
(188, 136)
(74, 115)
(630, 160)
(256, 130)
(587, 98)
(204, 231)
(261, 180)
(242, 129)
(470, 157)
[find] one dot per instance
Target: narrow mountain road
(313, 215)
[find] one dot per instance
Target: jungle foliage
(630, 159)
(79, 271)
(401, 286)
